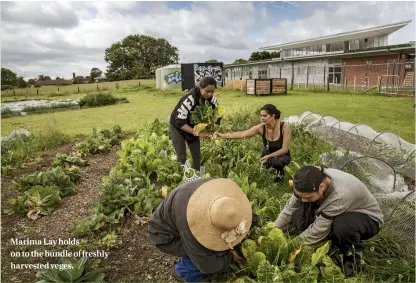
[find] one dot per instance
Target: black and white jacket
(181, 114)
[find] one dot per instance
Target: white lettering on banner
(182, 112)
(190, 97)
(188, 103)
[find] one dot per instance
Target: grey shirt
(345, 193)
(170, 233)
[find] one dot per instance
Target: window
(250, 75)
(319, 48)
(354, 44)
(246, 71)
(382, 40)
(370, 43)
(361, 43)
(336, 47)
(334, 74)
(375, 41)
(263, 73)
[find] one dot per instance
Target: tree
(41, 77)
(21, 83)
(238, 61)
(47, 78)
(58, 78)
(134, 54)
(263, 55)
(213, 61)
(73, 75)
(31, 81)
(8, 77)
(95, 73)
(139, 72)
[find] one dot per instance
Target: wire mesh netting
(384, 162)
(399, 216)
(363, 139)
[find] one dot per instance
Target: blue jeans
(189, 272)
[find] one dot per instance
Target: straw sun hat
(219, 214)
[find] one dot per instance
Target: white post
(336, 82)
(354, 83)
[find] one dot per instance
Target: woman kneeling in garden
(276, 139)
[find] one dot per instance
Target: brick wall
(377, 66)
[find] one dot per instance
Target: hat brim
(197, 213)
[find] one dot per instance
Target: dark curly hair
(271, 110)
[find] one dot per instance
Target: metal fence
(383, 77)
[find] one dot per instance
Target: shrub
(98, 99)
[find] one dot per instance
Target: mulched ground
(134, 259)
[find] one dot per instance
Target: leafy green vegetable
(274, 246)
(99, 141)
(267, 272)
(205, 115)
(248, 248)
(66, 161)
(320, 253)
(53, 177)
(254, 261)
(331, 272)
(83, 270)
(42, 200)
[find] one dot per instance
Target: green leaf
(48, 275)
(320, 253)
(93, 276)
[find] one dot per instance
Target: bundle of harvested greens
(205, 118)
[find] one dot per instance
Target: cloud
(336, 17)
(41, 14)
(58, 38)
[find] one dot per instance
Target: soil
(133, 259)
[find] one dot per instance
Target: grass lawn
(381, 113)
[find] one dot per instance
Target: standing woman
(181, 129)
(276, 139)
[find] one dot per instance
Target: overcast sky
(58, 38)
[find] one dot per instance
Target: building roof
(390, 49)
(362, 33)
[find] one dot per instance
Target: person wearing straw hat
(330, 202)
(201, 222)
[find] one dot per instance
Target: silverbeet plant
(82, 270)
